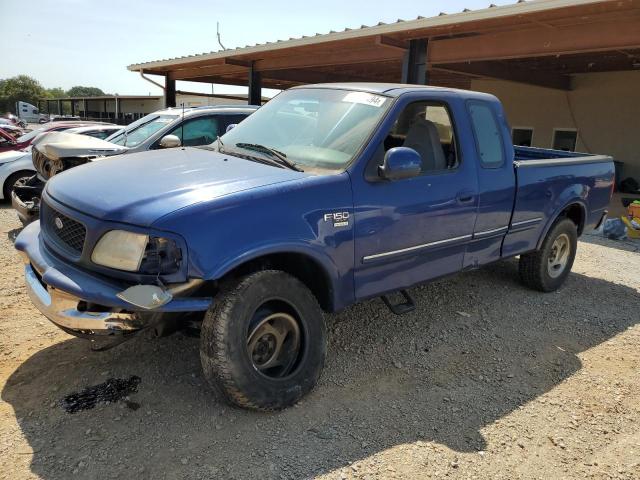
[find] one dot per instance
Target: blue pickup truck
(326, 196)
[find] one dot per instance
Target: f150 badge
(339, 219)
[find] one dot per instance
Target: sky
(63, 43)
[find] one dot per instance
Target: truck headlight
(134, 252)
(162, 256)
(120, 249)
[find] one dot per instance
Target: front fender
(294, 217)
(306, 249)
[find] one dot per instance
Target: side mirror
(399, 163)
(170, 141)
(230, 127)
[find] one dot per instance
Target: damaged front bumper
(85, 304)
(25, 199)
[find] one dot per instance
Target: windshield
(313, 127)
(140, 130)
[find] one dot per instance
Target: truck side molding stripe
(487, 233)
(369, 258)
(526, 222)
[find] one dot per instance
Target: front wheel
(16, 179)
(263, 342)
(547, 269)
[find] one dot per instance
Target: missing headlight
(162, 256)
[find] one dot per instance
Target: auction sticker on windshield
(365, 99)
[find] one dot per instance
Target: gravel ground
(485, 379)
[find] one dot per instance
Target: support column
(84, 108)
(59, 107)
(117, 109)
(415, 64)
(255, 86)
(48, 107)
(73, 107)
(169, 92)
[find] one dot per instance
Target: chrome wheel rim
(559, 255)
(274, 344)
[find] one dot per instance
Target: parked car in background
(191, 127)
(8, 140)
(163, 129)
(96, 131)
(63, 118)
(57, 127)
(14, 130)
(326, 196)
(16, 164)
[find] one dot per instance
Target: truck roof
(397, 89)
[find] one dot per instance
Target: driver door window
(427, 128)
(199, 131)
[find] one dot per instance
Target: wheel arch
(316, 272)
(12, 175)
(575, 210)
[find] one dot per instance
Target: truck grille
(66, 232)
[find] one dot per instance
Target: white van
(29, 113)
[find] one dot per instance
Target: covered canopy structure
(540, 42)
(567, 71)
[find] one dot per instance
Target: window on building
(487, 133)
(565, 140)
(522, 137)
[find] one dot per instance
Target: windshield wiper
(279, 157)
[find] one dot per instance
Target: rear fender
(557, 213)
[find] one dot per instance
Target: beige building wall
(201, 101)
(603, 107)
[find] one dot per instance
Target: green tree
(21, 87)
(55, 92)
(84, 92)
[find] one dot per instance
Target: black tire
(543, 269)
(11, 181)
(232, 355)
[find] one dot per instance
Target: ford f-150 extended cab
(327, 195)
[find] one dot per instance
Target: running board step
(400, 308)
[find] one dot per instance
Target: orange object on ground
(634, 210)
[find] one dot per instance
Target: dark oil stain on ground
(113, 390)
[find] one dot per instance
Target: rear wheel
(19, 178)
(263, 342)
(547, 269)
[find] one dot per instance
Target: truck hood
(142, 187)
(57, 145)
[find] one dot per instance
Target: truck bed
(527, 154)
(546, 182)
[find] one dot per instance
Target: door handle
(465, 197)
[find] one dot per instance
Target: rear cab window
(486, 130)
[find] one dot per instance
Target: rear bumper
(85, 303)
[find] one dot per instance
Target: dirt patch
(485, 379)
